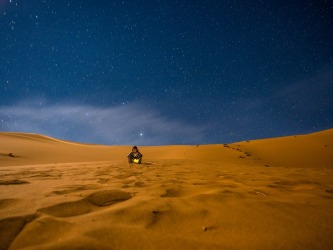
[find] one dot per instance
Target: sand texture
(262, 194)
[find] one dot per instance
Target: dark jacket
(136, 155)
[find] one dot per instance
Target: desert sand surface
(262, 194)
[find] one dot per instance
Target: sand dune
(263, 194)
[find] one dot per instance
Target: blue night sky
(160, 72)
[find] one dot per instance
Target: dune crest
(302, 150)
(263, 194)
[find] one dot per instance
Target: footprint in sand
(296, 185)
(11, 227)
(5, 203)
(139, 184)
(13, 182)
(108, 197)
(98, 199)
(73, 188)
(171, 193)
(41, 231)
(68, 209)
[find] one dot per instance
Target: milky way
(166, 72)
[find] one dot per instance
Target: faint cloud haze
(120, 125)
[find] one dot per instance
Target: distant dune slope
(38, 149)
(312, 150)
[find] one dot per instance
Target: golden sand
(262, 194)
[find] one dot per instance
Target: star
(108, 71)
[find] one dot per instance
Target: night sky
(158, 72)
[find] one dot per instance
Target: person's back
(134, 156)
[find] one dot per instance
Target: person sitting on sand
(135, 156)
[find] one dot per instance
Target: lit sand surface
(262, 194)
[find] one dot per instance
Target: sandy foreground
(263, 194)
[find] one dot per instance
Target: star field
(166, 72)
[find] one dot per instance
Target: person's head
(135, 149)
